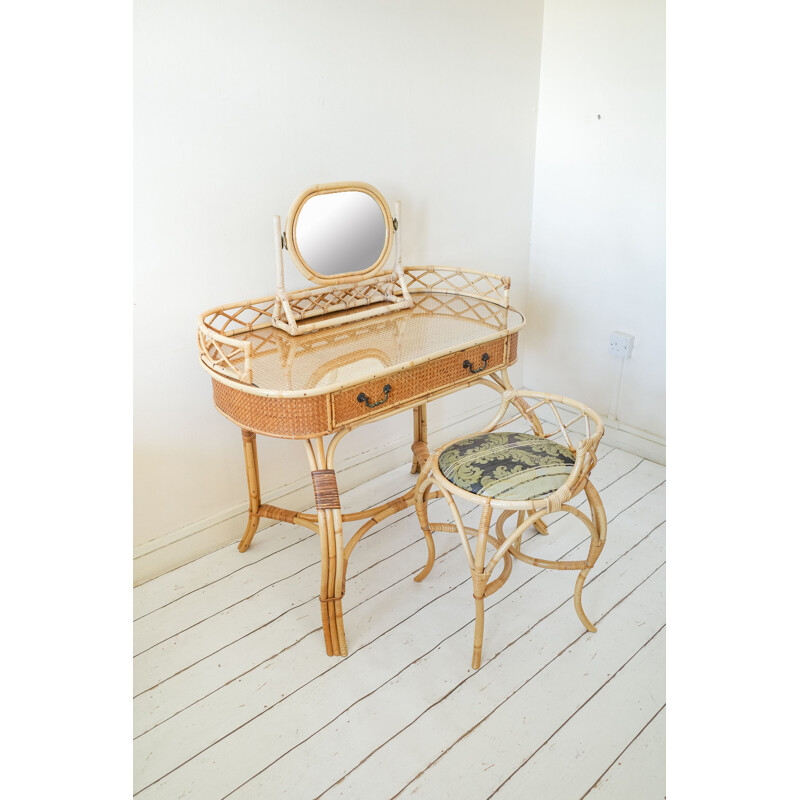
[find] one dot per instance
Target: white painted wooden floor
(235, 697)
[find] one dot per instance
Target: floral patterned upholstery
(508, 466)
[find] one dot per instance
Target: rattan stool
(532, 474)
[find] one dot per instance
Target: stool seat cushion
(507, 466)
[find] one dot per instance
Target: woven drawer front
(286, 418)
(416, 382)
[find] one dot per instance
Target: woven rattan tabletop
(326, 360)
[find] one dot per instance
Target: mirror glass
(340, 232)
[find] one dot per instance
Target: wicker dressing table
(457, 331)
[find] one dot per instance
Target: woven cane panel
(513, 342)
(343, 355)
(416, 381)
(292, 418)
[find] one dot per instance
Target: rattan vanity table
(305, 365)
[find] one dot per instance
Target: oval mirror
(339, 231)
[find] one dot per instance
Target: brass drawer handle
(468, 364)
(362, 398)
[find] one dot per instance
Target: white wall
(241, 104)
(598, 234)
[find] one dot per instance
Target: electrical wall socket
(621, 344)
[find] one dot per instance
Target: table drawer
(416, 381)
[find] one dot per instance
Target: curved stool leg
(421, 506)
(598, 542)
(479, 582)
(538, 526)
(477, 645)
(578, 606)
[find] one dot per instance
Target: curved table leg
(329, 522)
(253, 487)
(329, 526)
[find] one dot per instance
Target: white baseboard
(634, 440)
(179, 547)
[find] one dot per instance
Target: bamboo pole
(278, 240)
(421, 497)
(324, 548)
(479, 581)
(253, 488)
(337, 563)
(326, 525)
(420, 434)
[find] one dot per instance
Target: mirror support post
(281, 300)
(398, 252)
(397, 273)
(276, 220)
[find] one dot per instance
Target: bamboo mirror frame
(337, 236)
(320, 190)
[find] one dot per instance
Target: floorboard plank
(173, 628)
(276, 632)
(567, 765)
(170, 587)
(434, 687)
(163, 590)
(200, 573)
(483, 758)
(390, 766)
(350, 683)
(640, 770)
(295, 595)
(299, 587)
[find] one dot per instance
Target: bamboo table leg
(253, 487)
(331, 536)
(329, 521)
(420, 433)
(329, 528)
